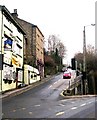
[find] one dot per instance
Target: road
(44, 101)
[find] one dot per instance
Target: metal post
(81, 79)
(76, 65)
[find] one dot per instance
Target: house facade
(11, 47)
(34, 46)
(38, 49)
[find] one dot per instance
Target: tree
(79, 58)
(56, 57)
(53, 43)
(53, 57)
(49, 63)
(91, 59)
(91, 67)
(61, 49)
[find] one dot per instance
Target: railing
(76, 82)
(71, 88)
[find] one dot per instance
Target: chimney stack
(15, 13)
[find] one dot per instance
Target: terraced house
(12, 38)
(34, 52)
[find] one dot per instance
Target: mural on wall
(7, 44)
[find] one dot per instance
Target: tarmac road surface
(44, 101)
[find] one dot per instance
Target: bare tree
(61, 49)
(90, 49)
(91, 58)
(53, 43)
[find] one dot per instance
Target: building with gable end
(34, 46)
(12, 37)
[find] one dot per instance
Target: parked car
(67, 74)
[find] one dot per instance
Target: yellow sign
(15, 61)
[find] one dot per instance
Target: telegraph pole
(84, 51)
(84, 62)
(84, 80)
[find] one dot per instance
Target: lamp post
(84, 59)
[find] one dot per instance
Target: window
(18, 38)
(8, 28)
(19, 49)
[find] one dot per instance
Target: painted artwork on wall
(8, 44)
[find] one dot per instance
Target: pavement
(76, 96)
(18, 91)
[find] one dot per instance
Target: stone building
(34, 46)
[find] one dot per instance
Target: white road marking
(59, 113)
(83, 104)
(30, 113)
(74, 108)
(14, 110)
(89, 102)
(36, 105)
(72, 102)
(61, 104)
(50, 86)
(63, 100)
(55, 82)
(23, 108)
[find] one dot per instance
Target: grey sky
(65, 18)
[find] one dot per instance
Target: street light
(84, 47)
(84, 57)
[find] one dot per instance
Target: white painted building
(31, 74)
(11, 46)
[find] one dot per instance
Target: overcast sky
(64, 18)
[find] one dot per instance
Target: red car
(67, 74)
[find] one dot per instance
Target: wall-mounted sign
(7, 57)
(15, 61)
